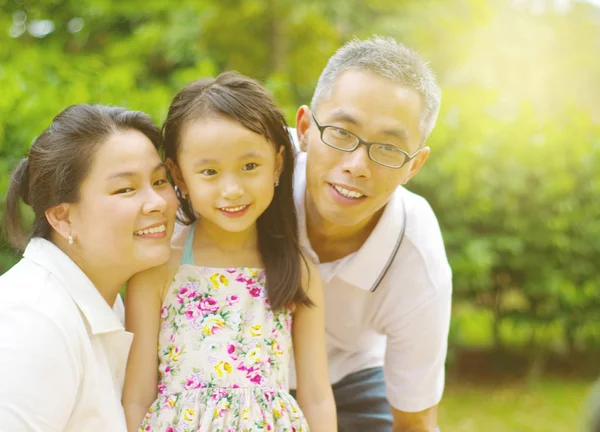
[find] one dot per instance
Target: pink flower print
(255, 292)
(209, 304)
(232, 300)
(254, 375)
(165, 369)
(194, 381)
(183, 292)
(162, 388)
(230, 270)
(232, 352)
(170, 429)
(241, 278)
(219, 393)
(192, 311)
(164, 312)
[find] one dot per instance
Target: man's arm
(422, 421)
(416, 347)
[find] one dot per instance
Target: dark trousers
(361, 402)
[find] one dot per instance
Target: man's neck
(332, 242)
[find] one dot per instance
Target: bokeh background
(514, 174)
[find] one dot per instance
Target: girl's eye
(208, 172)
(160, 182)
(250, 166)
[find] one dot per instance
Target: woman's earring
(70, 239)
(276, 182)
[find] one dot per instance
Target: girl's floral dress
(224, 355)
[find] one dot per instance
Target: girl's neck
(209, 235)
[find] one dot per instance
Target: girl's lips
(235, 214)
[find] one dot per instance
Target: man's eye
(250, 166)
(341, 133)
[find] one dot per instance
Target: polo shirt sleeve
(40, 372)
(417, 335)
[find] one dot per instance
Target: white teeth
(155, 230)
(234, 209)
(348, 193)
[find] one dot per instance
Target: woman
(104, 211)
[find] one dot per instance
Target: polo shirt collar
(365, 268)
(96, 311)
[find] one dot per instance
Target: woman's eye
(124, 191)
(250, 166)
(208, 172)
(160, 182)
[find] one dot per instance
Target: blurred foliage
(514, 175)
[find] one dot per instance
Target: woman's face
(126, 212)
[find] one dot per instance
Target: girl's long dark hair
(249, 103)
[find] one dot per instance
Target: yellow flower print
(188, 415)
(222, 367)
(245, 414)
(253, 272)
(171, 402)
(256, 330)
(218, 279)
(174, 353)
(212, 324)
(254, 355)
(276, 348)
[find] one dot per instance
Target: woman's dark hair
(244, 100)
(59, 161)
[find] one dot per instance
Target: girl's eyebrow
(248, 155)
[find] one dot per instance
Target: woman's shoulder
(31, 294)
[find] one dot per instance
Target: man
(379, 247)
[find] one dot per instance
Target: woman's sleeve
(40, 372)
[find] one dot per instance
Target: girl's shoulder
(156, 280)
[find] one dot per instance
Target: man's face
(348, 188)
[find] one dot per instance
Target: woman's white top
(63, 350)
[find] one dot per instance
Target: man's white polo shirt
(388, 304)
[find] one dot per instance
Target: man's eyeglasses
(384, 154)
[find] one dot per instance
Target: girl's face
(228, 172)
(126, 212)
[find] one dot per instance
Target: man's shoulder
(422, 253)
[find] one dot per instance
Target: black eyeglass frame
(367, 144)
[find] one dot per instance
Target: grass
(550, 406)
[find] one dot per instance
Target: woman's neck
(107, 280)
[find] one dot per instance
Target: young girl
(221, 311)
